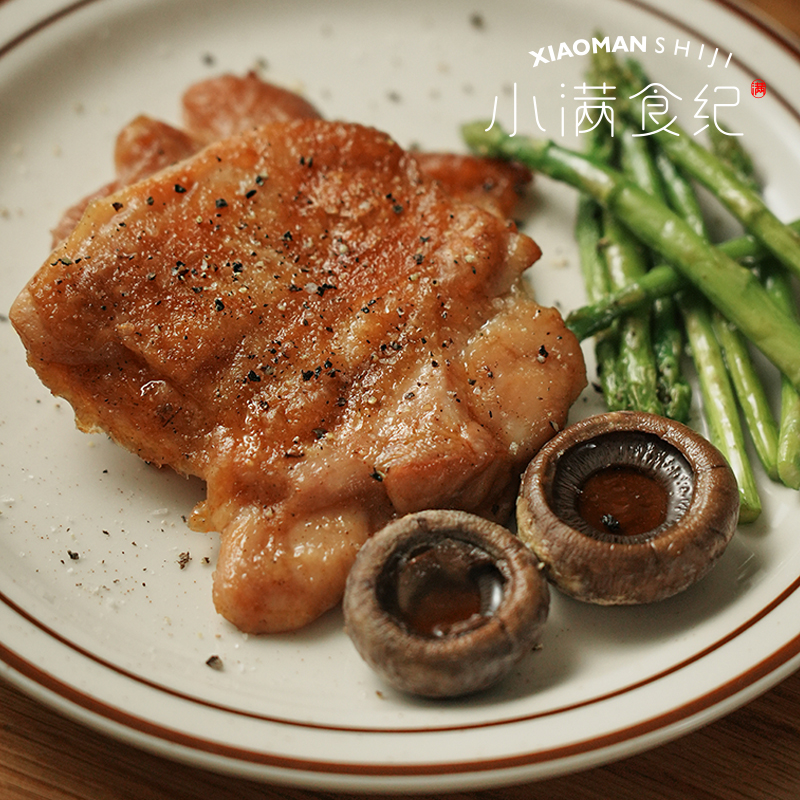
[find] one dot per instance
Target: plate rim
(759, 677)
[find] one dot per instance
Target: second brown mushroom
(443, 603)
(627, 507)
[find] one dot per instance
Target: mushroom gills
(622, 487)
(443, 589)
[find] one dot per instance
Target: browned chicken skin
(220, 107)
(303, 317)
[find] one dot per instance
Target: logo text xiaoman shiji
(655, 103)
(633, 44)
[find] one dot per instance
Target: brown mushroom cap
(599, 566)
(439, 551)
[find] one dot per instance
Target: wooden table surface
(752, 753)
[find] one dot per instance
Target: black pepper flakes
(180, 189)
(73, 555)
(611, 523)
(117, 206)
(221, 202)
(215, 662)
(219, 305)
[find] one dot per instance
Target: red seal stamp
(758, 88)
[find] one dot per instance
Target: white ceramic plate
(119, 635)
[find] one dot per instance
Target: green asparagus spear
(729, 150)
(675, 394)
(716, 383)
(702, 165)
(746, 382)
(661, 281)
(749, 387)
(674, 389)
(588, 235)
(625, 263)
(779, 287)
(750, 393)
(729, 286)
(718, 398)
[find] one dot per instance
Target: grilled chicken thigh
(321, 328)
